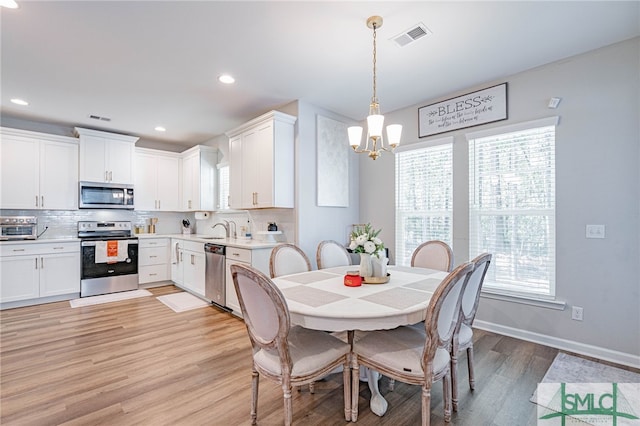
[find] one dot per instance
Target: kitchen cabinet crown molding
(271, 115)
(79, 131)
(7, 131)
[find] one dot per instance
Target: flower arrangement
(365, 240)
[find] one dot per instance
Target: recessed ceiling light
(19, 102)
(11, 4)
(226, 79)
(160, 129)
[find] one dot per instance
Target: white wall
(597, 182)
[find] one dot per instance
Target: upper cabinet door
(19, 176)
(106, 157)
(262, 162)
(157, 182)
(58, 176)
(38, 171)
(146, 182)
(168, 181)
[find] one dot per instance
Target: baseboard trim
(604, 354)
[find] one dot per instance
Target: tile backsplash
(64, 223)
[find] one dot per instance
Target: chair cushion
(465, 335)
(399, 349)
(310, 350)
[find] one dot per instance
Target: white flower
(377, 241)
(369, 247)
(361, 239)
(353, 245)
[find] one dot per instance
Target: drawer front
(152, 273)
(37, 248)
(153, 242)
(242, 255)
(153, 256)
(192, 246)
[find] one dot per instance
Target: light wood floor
(136, 362)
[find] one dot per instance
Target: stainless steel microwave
(96, 195)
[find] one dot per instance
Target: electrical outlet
(595, 231)
(576, 313)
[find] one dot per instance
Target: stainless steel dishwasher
(214, 284)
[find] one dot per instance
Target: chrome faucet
(225, 225)
(233, 233)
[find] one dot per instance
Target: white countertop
(230, 242)
(44, 240)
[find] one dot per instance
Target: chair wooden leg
(426, 404)
(454, 380)
(288, 409)
(355, 387)
(446, 393)
(312, 387)
(255, 379)
(346, 378)
(392, 384)
(472, 379)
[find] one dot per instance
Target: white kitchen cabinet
(153, 260)
(262, 162)
(199, 178)
(257, 258)
(106, 157)
(39, 270)
(38, 171)
(188, 271)
(157, 180)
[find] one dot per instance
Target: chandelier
(375, 143)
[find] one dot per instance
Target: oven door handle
(88, 244)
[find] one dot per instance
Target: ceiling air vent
(97, 117)
(414, 33)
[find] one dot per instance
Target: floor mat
(183, 301)
(106, 298)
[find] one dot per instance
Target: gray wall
(597, 182)
(319, 223)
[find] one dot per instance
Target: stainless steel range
(109, 257)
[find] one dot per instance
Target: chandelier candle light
(374, 144)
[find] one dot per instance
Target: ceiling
(155, 63)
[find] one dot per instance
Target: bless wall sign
(475, 108)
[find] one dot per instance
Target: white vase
(379, 266)
(365, 265)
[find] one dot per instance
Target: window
(424, 196)
(223, 186)
(512, 206)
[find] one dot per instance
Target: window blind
(424, 198)
(223, 187)
(512, 208)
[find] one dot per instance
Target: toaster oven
(18, 228)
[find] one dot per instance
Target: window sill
(525, 300)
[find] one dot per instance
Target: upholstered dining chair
(291, 356)
(415, 355)
(288, 259)
(331, 253)
(463, 337)
(433, 254)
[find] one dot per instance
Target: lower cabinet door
(59, 274)
(19, 278)
(232, 297)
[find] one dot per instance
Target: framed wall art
(475, 108)
(332, 163)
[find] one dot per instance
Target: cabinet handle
(235, 254)
(17, 250)
(110, 176)
(181, 257)
(58, 248)
(36, 201)
(152, 275)
(152, 256)
(36, 263)
(42, 263)
(106, 176)
(158, 204)
(42, 201)
(192, 260)
(189, 204)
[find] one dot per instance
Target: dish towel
(111, 251)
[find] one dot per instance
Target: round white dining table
(319, 300)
